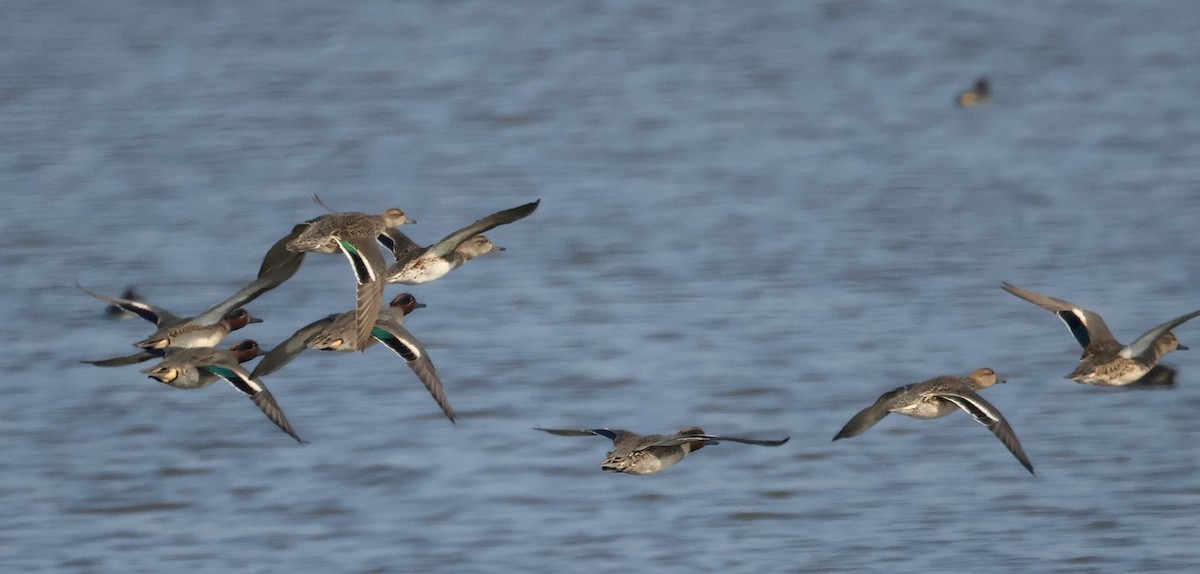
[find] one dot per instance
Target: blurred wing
(127, 359)
(369, 268)
(610, 434)
(156, 315)
(279, 263)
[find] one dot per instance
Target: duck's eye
(405, 300)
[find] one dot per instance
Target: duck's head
(476, 246)
(406, 302)
(1167, 343)
(245, 350)
(162, 373)
(615, 463)
(239, 318)
(984, 378)
(978, 94)
(394, 217)
(694, 445)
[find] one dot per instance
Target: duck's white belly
(198, 338)
(422, 270)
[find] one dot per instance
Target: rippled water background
(755, 218)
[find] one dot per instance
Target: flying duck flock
(191, 355)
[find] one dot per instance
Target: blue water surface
(755, 218)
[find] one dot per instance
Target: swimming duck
(978, 94)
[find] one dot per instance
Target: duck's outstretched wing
(395, 337)
(257, 392)
(280, 263)
(284, 352)
(1141, 344)
(715, 439)
(990, 417)
(278, 271)
(612, 435)
(369, 268)
(152, 313)
(133, 359)
(869, 416)
(1087, 327)
(452, 241)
